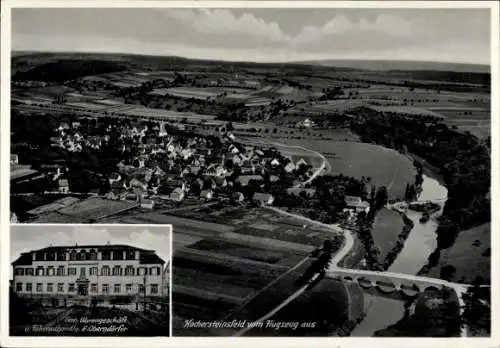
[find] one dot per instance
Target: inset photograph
(90, 280)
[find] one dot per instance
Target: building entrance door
(83, 288)
(82, 283)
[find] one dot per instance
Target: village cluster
(162, 166)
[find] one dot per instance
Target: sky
(25, 238)
(261, 35)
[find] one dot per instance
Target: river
(382, 312)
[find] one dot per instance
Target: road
(252, 296)
(275, 310)
(324, 161)
(346, 248)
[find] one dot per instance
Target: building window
(142, 270)
(39, 256)
(50, 287)
(93, 254)
(82, 255)
(39, 287)
(19, 271)
(117, 255)
(50, 271)
(105, 271)
(60, 270)
(117, 288)
(154, 271)
(29, 271)
(71, 287)
(128, 288)
(51, 256)
(39, 271)
(105, 288)
(93, 271)
(129, 270)
(106, 255)
(141, 288)
(29, 287)
(72, 255)
(61, 256)
(154, 288)
(130, 255)
(117, 271)
(71, 271)
(93, 287)
(60, 287)
(19, 287)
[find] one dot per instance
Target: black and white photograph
(89, 280)
(325, 168)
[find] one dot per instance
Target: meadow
(470, 255)
(384, 166)
(386, 228)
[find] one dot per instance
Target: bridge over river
(387, 282)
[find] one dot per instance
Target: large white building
(87, 271)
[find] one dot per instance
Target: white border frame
(492, 341)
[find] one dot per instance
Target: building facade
(101, 271)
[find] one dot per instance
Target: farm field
(384, 166)
(481, 129)
(234, 261)
(386, 228)
(148, 217)
(261, 302)
(323, 307)
(275, 257)
(85, 105)
(86, 210)
(189, 92)
(166, 114)
(469, 255)
(337, 106)
(410, 110)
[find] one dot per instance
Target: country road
(275, 310)
(324, 161)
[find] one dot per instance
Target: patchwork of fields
(247, 258)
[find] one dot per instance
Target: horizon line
(304, 62)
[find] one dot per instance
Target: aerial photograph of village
(326, 171)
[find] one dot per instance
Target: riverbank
(417, 323)
(421, 241)
(402, 237)
(428, 169)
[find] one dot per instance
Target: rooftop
(18, 171)
(26, 258)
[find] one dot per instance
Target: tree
(381, 197)
(372, 195)
(448, 272)
(327, 245)
(477, 310)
